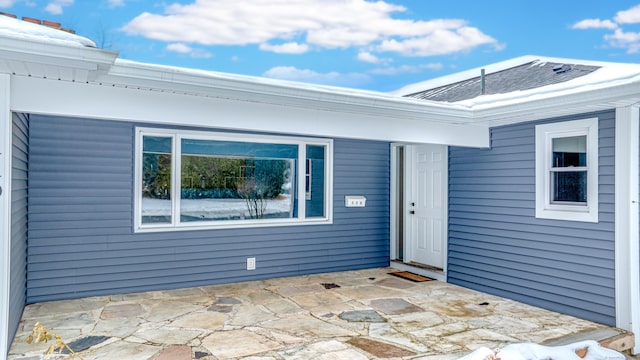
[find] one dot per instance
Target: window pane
(569, 186)
(224, 180)
(315, 181)
(570, 151)
(156, 180)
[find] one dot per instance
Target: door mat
(410, 276)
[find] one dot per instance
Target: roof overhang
(614, 85)
(78, 73)
(559, 104)
(24, 57)
(291, 94)
(90, 82)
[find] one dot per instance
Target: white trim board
(5, 213)
(51, 97)
(627, 267)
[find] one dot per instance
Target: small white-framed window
(567, 170)
(203, 180)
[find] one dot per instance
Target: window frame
(308, 178)
(544, 135)
(177, 135)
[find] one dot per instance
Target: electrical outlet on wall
(251, 263)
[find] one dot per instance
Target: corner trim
(627, 232)
(5, 212)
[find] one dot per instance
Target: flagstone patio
(366, 314)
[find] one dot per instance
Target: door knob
(412, 212)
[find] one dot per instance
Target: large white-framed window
(186, 180)
(567, 170)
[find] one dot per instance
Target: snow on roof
(19, 29)
(244, 78)
(607, 75)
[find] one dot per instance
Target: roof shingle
(527, 76)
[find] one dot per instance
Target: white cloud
(440, 42)
(407, 69)
(179, 48)
(7, 3)
(625, 40)
(310, 76)
(287, 48)
(201, 54)
(56, 7)
(368, 57)
(115, 3)
(630, 16)
(594, 24)
(305, 24)
(630, 41)
(188, 50)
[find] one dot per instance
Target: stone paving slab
(365, 314)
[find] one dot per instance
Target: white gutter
(5, 213)
(131, 74)
(30, 50)
(559, 104)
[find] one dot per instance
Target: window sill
(231, 225)
(567, 215)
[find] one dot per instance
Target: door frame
(396, 199)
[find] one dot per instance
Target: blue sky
(374, 45)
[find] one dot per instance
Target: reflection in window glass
(156, 180)
(225, 180)
(207, 180)
(570, 187)
(315, 191)
(569, 151)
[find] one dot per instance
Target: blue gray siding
(81, 241)
(496, 244)
(19, 173)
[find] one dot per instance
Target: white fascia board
(5, 212)
(27, 50)
(247, 88)
(51, 97)
(559, 104)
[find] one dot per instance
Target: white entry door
(426, 207)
